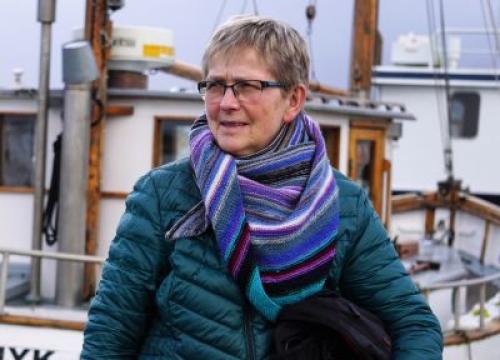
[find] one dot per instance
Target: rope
(219, 15)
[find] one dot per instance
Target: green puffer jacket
(161, 299)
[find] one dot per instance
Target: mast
(46, 16)
(365, 42)
(98, 32)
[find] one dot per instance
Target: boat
(447, 223)
(45, 318)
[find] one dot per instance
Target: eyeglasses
(243, 90)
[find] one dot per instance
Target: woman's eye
(212, 85)
(248, 85)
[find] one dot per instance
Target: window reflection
(16, 150)
(174, 140)
(364, 155)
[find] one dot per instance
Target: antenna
(18, 78)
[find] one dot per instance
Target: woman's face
(244, 127)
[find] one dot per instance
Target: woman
(211, 248)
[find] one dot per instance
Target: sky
(192, 22)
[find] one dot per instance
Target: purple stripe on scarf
(308, 266)
(317, 240)
(239, 253)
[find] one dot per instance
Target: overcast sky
(192, 22)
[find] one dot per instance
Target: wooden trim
(17, 189)
(370, 124)
(430, 216)
(98, 27)
(184, 70)
(387, 166)
(465, 337)
(363, 45)
(481, 208)
(121, 195)
(41, 322)
(157, 143)
(467, 203)
(315, 86)
(377, 136)
(486, 237)
(175, 118)
(119, 110)
(18, 113)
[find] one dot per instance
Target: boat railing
(6, 253)
(456, 286)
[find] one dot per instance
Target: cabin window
(16, 149)
(332, 143)
(171, 140)
(464, 117)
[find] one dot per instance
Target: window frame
(468, 110)
(157, 135)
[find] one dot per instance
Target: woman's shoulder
(173, 184)
(349, 194)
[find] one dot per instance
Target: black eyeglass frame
(202, 85)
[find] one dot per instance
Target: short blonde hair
(281, 46)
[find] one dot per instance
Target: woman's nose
(229, 100)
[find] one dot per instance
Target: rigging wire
(244, 6)
(486, 27)
(310, 15)
(497, 42)
(431, 26)
(219, 15)
(494, 25)
(255, 8)
(448, 153)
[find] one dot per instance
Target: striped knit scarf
(274, 214)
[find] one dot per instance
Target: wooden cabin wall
(129, 153)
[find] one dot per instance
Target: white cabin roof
(346, 106)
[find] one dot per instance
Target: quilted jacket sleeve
(121, 310)
(374, 278)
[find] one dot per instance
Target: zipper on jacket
(247, 328)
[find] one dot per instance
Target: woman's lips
(232, 124)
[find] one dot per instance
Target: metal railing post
(456, 308)
(482, 299)
(3, 280)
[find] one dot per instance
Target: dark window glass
(464, 119)
(16, 149)
(364, 164)
(174, 140)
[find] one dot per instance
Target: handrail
(459, 283)
(38, 254)
(482, 282)
(56, 256)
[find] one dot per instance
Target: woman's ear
(296, 100)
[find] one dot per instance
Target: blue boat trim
(432, 76)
